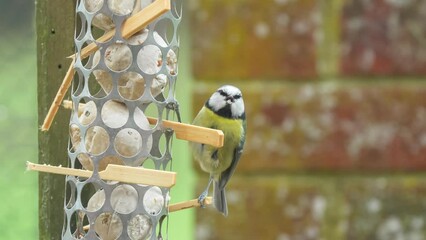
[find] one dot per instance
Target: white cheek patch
(237, 108)
(217, 102)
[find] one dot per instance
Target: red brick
(265, 208)
(317, 207)
(332, 127)
(384, 208)
(254, 39)
(383, 37)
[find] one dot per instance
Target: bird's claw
(174, 106)
(201, 199)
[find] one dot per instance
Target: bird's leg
(204, 194)
(175, 107)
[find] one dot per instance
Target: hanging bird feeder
(119, 175)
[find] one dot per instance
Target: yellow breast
(233, 132)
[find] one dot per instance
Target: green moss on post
(55, 34)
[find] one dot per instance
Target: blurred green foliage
(18, 121)
(18, 136)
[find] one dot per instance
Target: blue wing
(227, 174)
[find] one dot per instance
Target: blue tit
(224, 110)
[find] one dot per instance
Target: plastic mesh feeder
(113, 91)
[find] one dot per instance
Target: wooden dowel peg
(115, 172)
(66, 83)
(189, 204)
(194, 133)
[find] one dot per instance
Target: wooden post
(55, 34)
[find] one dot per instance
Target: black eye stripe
(221, 92)
(225, 94)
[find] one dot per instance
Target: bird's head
(227, 102)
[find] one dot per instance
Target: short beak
(230, 99)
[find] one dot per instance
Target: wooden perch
(115, 172)
(189, 204)
(194, 133)
(131, 26)
(183, 131)
(66, 83)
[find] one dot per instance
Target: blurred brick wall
(336, 104)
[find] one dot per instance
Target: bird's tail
(219, 199)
